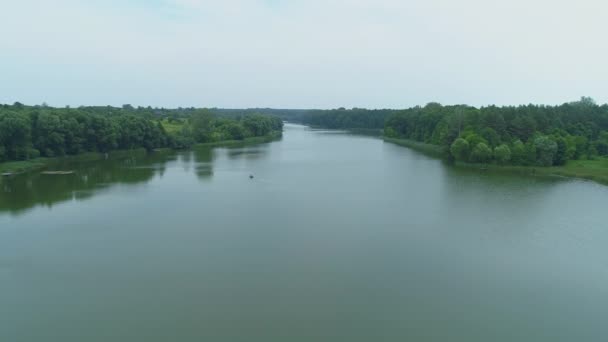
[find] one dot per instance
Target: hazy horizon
(295, 109)
(302, 54)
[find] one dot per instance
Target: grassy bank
(22, 166)
(595, 170)
(432, 150)
(247, 141)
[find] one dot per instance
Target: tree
(474, 139)
(200, 123)
(602, 147)
(560, 156)
(490, 135)
(481, 153)
(460, 149)
(235, 131)
(602, 144)
(518, 153)
(523, 127)
(582, 125)
(15, 130)
(545, 150)
(585, 101)
(29, 131)
(580, 145)
(502, 154)
(48, 134)
(530, 155)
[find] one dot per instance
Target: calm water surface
(338, 237)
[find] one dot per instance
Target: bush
(33, 153)
(502, 154)
(530, 155)
(545, 150)
(460, 149)
(518, 153)
(481, 153)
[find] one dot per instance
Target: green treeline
(530, 135)
(341, 118)
(356, 118)
(202, 126)
(526, 135)
(28, 132)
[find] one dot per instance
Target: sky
(302, 53)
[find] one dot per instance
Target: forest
(341, 118)
(28, 132)
(530, 135)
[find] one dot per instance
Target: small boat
(7, 174)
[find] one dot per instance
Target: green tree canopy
(460, 149)
(502, 154)
(481, 153)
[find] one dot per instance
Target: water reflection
(203, 158)
(22, 192)
(247, 153)
(19, 193)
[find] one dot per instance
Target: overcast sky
(302, 53)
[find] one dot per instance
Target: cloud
(314, 53)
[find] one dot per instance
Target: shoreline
(247, 141)
(42, 163)
(428, 149)
(591, 170)
(12, 168)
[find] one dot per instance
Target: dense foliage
(28, 132)
(341, 118)
(345, 118)
(202, 126)
(524, 135)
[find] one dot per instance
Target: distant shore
(594, 170)
(247, 141)
(43, 163)
(39, 164)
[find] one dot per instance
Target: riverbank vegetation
(526, 135)
(341, 118)
(568, 140)
(356, 119)
(203, 127)
(29, 135)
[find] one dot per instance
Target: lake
(337, 237)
